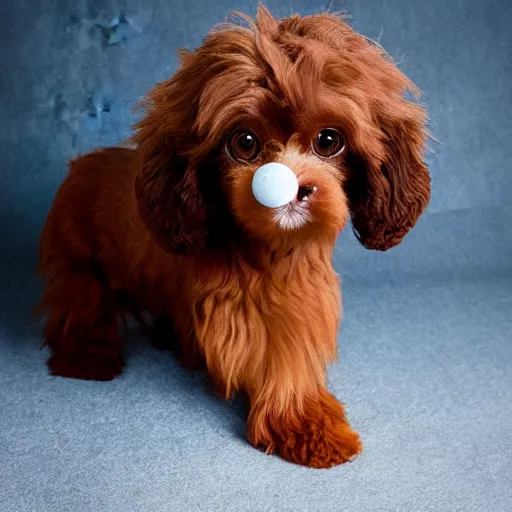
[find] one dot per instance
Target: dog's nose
(274, 185)
(305, 191)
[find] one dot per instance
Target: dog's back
(91, 205)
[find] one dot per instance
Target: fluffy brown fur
(172, 228)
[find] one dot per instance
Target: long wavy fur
(171, 227)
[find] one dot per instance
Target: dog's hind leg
(82, 328)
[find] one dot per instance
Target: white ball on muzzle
(274, 185)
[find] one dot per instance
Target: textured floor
(425, 372)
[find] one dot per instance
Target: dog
(170, 227)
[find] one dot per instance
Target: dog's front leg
(312, 430)
(279, 361)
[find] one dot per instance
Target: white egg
(274, 185)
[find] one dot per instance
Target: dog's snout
(274, 185)
(305, 191)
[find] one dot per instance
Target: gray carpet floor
(425, 372)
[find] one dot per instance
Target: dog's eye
(328, 143)
(244, 146)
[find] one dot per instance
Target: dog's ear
(388, 196)
(170, 202)
(167, 187)
(389, 184)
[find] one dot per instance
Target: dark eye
(244, 146)
(328, 143)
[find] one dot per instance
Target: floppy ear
(170, 203)
(389, 185)
(167, 189)
(387, 197)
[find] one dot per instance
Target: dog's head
(307, 92)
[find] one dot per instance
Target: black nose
(304, 192)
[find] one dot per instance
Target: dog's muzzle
(277, 187)
(274, 185)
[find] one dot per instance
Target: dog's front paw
(319, 437)
(319, 446)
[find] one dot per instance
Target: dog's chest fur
(249, 321)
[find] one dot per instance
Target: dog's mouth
(296, 214)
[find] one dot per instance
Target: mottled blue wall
(70, 72)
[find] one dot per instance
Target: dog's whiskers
(292, 216)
